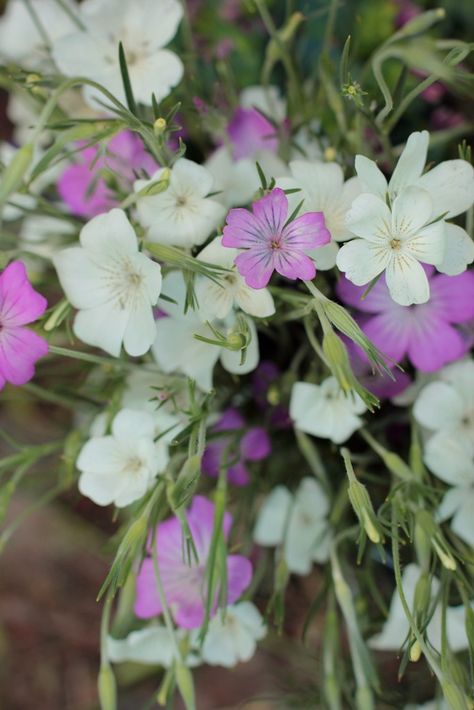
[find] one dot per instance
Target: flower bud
(415, 652)
(107, 688)
(159, 126)
(183, 488)
(361, 502)
(13, 175)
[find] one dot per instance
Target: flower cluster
(254, 302)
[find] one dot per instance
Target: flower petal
(406, 280)
(293, 264)
(20, 348)
(242, 230)
(410, 163)
(438, 407)
(434, 343)
(271, 212)
(256, 266)
(109, 233)
(459, 251)
(378, 299)
(450, 458)
(272, 518)
(371, 176)
(306, 232)
(19, 302)
(451, 187)
(453, 296)
(369, 218)
(429, 244)
(362, 260)
(411, 210)
(103, 326)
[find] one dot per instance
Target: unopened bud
(236, 341)
(159, 126)
(338, 359)
(13, 175)
(183, 488)
(330, 154)
(107, 688)
(422, 547)
(58, 315)
(415, 652)
(361, 503)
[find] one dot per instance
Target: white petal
(250, 617)
(451, 186)
(133, 424)
(452, 501)
(456, 621)
(362, 261)
(438, 407)
(406, 280)
(110, 233)
(303, 396)
(325, 257)
(192, 176)
(255, 302)
(369, 217)
(411, 210)
(82, 54)
(396, 628)
(103, 326)
(410, 163)
(450, 457)
(100, 488)
(140, 331)
(459, 251)
(82, 277)
(215, 300)
(429, 244)
(151, 24)
(371, 176)
(272, 517)
(463, 522)
(215, 253)
(156, 74)
(99, 455)
(153, 646)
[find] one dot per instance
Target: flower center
(275, 244)
(396, 244)
(134, 465)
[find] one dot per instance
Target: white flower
(324, 410)
(177, 350)
(182, 214)
(394, 240)
(450, 186)
(113, 285)
(143, 27)
(395, 630)
(120, 468)
(298, 523)
(216, 300)
(20, 38)
(232, 636)
(264, 98)
(150, 646)
(446, 408)
(237, 181)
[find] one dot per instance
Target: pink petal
(19, 302)
(271, 212)
(294, 264)
(147, 601)
(453, 296)
(239, 576)
(238, 474)
(230, 419)
(434, 343)
(390, 332)
(307, 232)
(20, 348)
(256, 266)
(242, 230)
(255, 444)
(378, 299)
(250, 132)
(201, 522)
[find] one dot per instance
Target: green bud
(422, 547)
(426, 521)
(415, 651)
(155, 188)
(422, 595)
(236, 341)
(59, 313)
(419, 24)
(183, 489)
(338, 360)
(159, 127)
(14, 173)
(107, 688)
(361, 503)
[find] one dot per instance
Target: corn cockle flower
(82, 185)
(112, 284)
(143, 27)
(183, 214)
(322, 187)
(394, 240)
(20, 305)
(272, 243)
(450, 186)
(423, 332)
(325, 410)
(184, 581)
(120, 468)
(297, 522)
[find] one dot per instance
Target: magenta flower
(271, 243)
(424, 333)
(250, 132)
(184, 584)
(235, 451)
(20, 347)
(82, 185)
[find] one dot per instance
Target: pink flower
(185, 586)
(250, 132)
(271, 243)
(424, 333)
(20, 304)
(82, 186)
(250, 445)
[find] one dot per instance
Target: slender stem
(161, 594)
(38, 24)
(72, 16)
